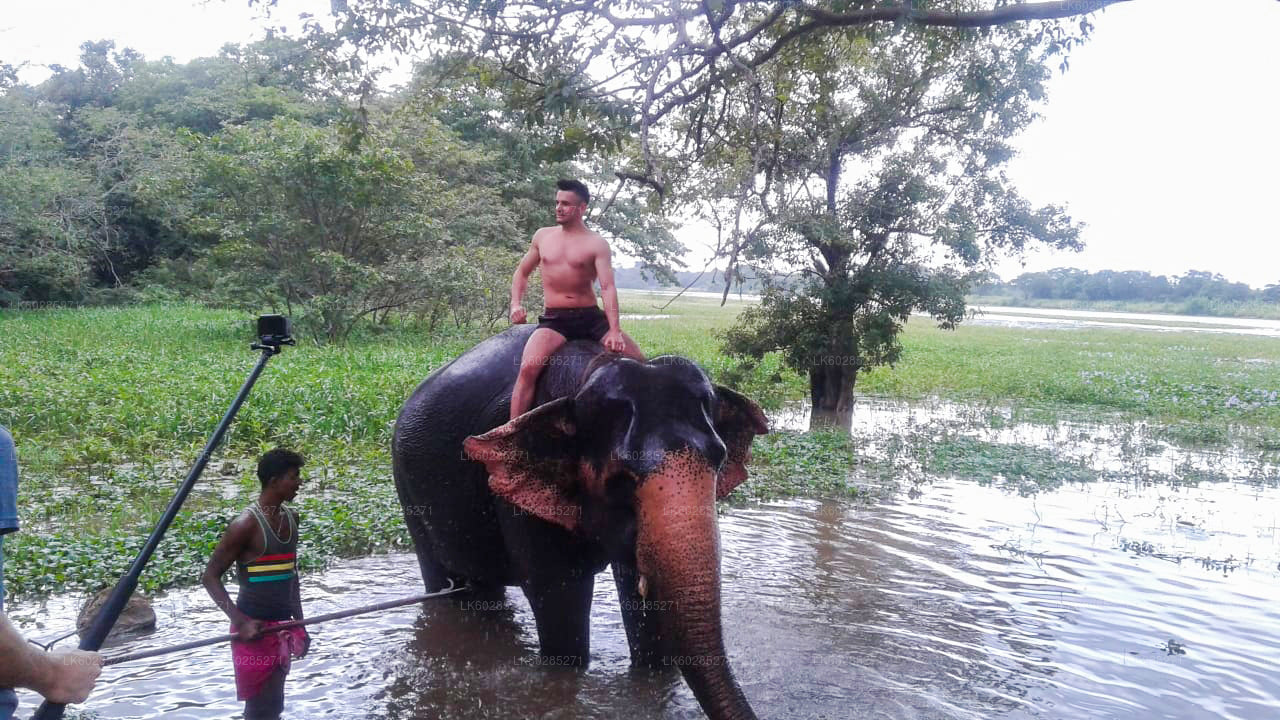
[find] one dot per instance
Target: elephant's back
(453, 400)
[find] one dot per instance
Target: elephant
(619, 464)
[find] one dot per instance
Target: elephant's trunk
(678, 556)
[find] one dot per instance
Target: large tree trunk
(831, 394)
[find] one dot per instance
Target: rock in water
(137, 618)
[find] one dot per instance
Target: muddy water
(955, 600)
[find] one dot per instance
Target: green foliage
(785, 463)
(48, 208)
(872, 164)
(254, 179)
(1196, 288)
(1024, 469)
(331, 232)
(488, 108)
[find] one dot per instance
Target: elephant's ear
(738, 420)
(533, 462)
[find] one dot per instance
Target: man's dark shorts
(584, 323)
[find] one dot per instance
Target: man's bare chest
(567, 254)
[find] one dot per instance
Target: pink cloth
(255, 660)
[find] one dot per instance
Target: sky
(1164, 138)
(1161, 137)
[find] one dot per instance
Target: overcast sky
(1162, 136)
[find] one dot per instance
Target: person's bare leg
(632, 350)
(268, 704)
(541, 345)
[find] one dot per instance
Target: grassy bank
(110, 407)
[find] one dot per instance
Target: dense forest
(255, 179)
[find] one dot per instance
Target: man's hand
(71, 676)
(248, 629)
(517, 315)
(613, 341)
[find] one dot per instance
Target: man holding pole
(262, 543)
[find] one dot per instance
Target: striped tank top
(266, 584)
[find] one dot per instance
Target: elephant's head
(636, 459)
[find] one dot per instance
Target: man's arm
(231, 546)
(295, 594)
(604, 273)
(520, 280)
(61, 677)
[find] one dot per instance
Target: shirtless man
(263, 543)
(571, 257)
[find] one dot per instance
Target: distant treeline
(1075, 284)
(1197, 292)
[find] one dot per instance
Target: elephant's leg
(434, 576)
(562, 608)
(639, 617)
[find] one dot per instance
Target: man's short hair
(275, 463)
(576, 187)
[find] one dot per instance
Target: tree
(872, 166)
(49, 208)
(852, 143)
(334, 231)
(664, 57)
(488, 109)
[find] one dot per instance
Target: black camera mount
(273, 331)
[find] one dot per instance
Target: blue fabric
(8, 483)
(8, 523)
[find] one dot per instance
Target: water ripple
(966, 602)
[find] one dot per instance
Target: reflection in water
(962, 602)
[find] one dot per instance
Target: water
(1124, 449)
(953, 600)
(1051, 318)
(1048, 318)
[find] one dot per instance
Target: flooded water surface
(1144, 592)
(963, 601)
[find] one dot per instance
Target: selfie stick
(273, 332)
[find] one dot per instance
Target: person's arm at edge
(228, 549)
(609, 293)
(520, 280)
(295, 594)
(61, 677)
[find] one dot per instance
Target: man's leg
(541, 345)
(268, 704)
